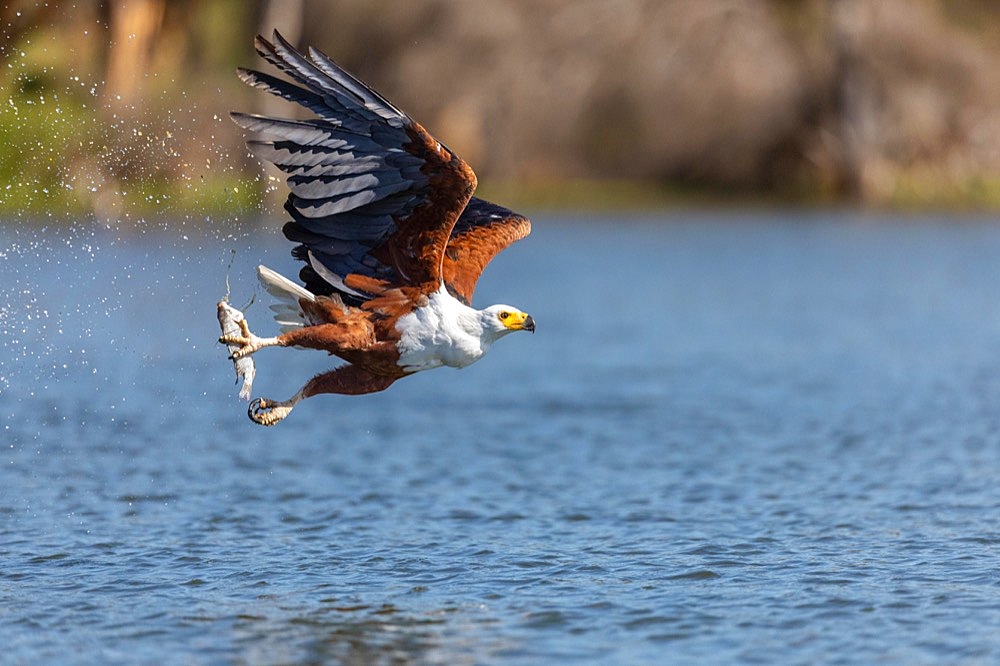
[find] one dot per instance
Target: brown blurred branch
(135, 25)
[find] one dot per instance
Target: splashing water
(84, 176)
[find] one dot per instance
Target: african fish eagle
(391, 238)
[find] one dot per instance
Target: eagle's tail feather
(287, 311)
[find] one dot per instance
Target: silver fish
(229, 320)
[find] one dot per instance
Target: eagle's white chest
(443, 332)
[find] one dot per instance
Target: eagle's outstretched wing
(374, 196)
(483, 230)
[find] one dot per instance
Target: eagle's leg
(248, 342)
(346, 380)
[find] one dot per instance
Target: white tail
(287, 311)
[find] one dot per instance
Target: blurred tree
(889, 101)
(134, 27)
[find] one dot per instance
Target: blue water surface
(767, 437)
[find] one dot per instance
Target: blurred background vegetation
(119, 107)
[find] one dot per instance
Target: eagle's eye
(504, 315)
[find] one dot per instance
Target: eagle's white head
(499, 320)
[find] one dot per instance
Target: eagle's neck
(444, 331)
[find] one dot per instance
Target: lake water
(767, 438)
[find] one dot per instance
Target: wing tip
(261, 45)
(247, 121)
(279, 40)
(247, 75)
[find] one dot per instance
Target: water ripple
(797, 468)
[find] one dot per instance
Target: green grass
(62, 155)
(919, 191)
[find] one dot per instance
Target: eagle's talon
(248, 344)
(265, 412)
(241, 352)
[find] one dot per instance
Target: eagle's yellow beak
(519, 321)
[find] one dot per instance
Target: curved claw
(242, 344)
(246, 347)
(266, 412)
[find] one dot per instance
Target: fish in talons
(234, 332)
